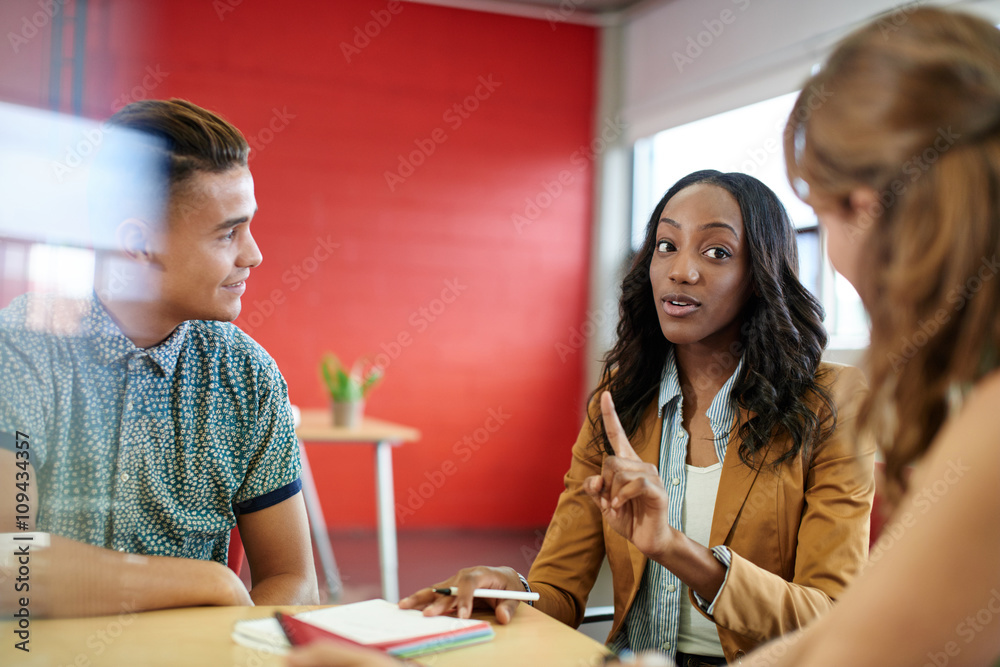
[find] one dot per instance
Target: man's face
(206, 251)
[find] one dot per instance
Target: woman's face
(700, 270)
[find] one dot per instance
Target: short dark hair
(196, 139)
(151, 150)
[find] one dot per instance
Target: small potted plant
(348, 389)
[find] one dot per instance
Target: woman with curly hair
(730, 504)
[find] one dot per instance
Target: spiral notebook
(377, 624)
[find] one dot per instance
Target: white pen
(495, 593)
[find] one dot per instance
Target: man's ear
(135, 239)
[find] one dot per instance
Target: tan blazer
(798, 534)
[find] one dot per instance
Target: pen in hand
(494, 593)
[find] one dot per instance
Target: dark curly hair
(781, 338)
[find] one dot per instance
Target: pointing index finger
(613, 427)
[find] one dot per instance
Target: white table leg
(386, 507)
(317, 524)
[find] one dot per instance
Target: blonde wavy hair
(909, 106)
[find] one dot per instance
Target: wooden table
(201, 636)
(317, 426)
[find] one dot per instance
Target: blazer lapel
(734, 485)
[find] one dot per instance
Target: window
(749, 140)
(65, 271)
(61, 270)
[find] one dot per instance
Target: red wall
(354, 264)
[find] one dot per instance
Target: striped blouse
(652, 622)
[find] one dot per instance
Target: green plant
(344, 385)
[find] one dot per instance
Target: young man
(143, 425)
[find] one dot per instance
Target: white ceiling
(587, 12)
(590, 6)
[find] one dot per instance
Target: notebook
(377, 624)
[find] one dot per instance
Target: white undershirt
(696, 634)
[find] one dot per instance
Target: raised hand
(467, 580)
(629, 491)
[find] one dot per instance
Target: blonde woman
(902, 165)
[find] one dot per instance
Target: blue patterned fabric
(146, 451)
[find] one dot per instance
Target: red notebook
(382, 625)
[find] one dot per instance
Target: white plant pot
(348, 414)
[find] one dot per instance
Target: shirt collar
(722, 410)
(109, 344)
(166, 353)
(670, 383)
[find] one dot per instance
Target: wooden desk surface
(201, 636)
(317, 426)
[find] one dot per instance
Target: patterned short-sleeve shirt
(151, 451)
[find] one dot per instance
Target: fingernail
(604, 503)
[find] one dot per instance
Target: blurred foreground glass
(66, 184)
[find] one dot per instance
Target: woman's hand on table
(629, 491)
(467, 580)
